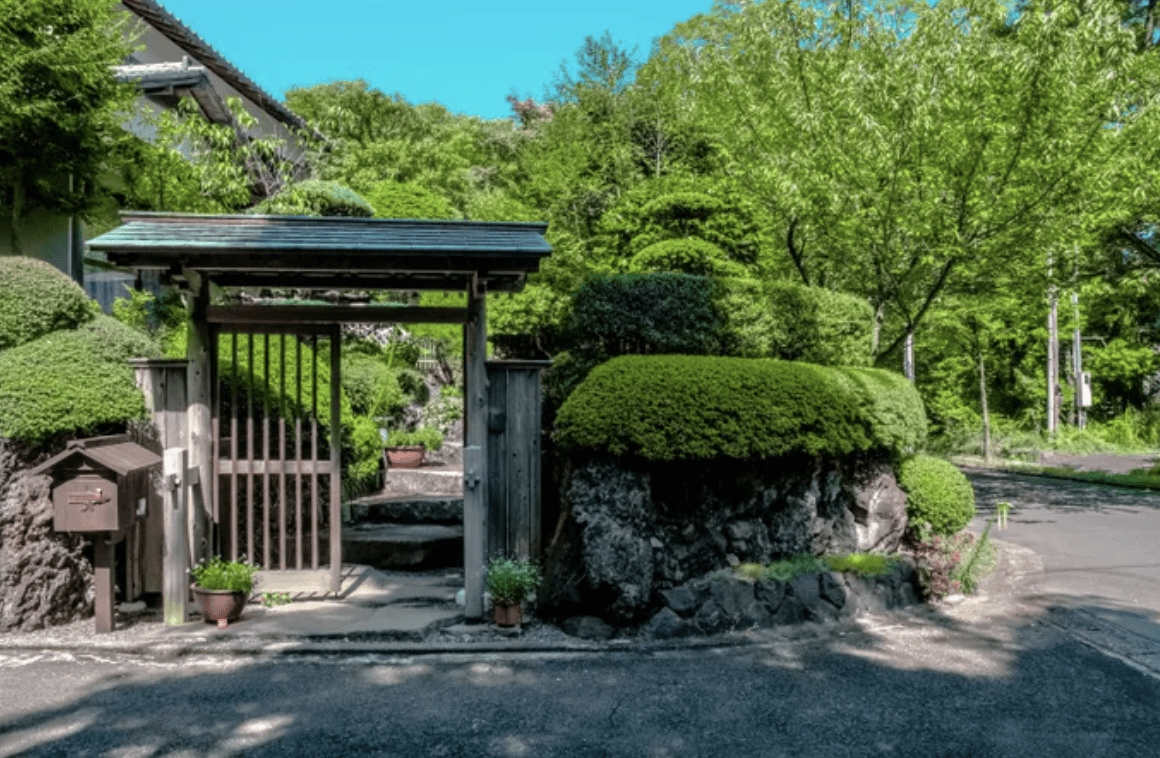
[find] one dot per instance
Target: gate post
(199, 389)
(475, 436)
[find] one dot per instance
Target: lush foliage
(315, 198)
(36, 299)
(395, 200)
(373, 388)
(819, 326)
(937, 493)
(688, 255)
(510, 580)
(72, 382)
(60, 107)
(677, 407)
(429, 437)
(219, 574)
(957, 563)
(163, 319)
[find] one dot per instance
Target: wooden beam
(475, 452)
(333, 314)
(335, 462)
(175, 582)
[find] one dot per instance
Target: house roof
(175, 78)
(185, 38)
(313, 252)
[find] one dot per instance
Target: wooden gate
(277, 449)
(513, 458)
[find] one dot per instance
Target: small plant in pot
(222, 588)
(406, 449)
(510, 582)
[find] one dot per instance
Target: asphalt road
(1098, 544)
(1008, 675)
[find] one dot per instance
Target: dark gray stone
(710, 619)
(682, 600)
(770, 594)
(666, 624)
(588, 627)
(832, 588)
(879, 508)
(45, 578)
(805, 588)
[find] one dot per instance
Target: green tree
(902, 146)
(60, 107)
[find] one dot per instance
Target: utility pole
(1077, 366)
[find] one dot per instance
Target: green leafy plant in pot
(510, 582)
(222, 588)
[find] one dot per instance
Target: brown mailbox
(100, 486)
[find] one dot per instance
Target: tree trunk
(908, 357)
(18, 200)
(879, 316)
(986, 413)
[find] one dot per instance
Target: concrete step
(407, 509)
(395, 546)
(425, 480)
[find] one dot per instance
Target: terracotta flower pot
(507, 614)
(409, 456)
(220, 604)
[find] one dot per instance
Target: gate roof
(328, 252)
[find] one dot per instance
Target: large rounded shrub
(373, 388)
(76, 381)
(404, 200)
(936, 492)
(36, 299)
(689, 255)
(683, 407)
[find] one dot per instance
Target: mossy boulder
(37, 299)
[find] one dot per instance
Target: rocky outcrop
(630, 530)
(719, 602)
(45, 577)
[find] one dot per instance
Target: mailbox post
(100, 486)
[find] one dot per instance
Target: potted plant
(406, 449)
(510, 581)
(222, 588)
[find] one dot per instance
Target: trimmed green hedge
(315, 197)
(819, 326)
(690, 255)
(36, 299)
(680, 407)
(372, 387)
(936, 492)
(72, 382)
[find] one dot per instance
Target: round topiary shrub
(36, 299)
(315, 197)
(373, 388)
(690, 255)
(72, 382)
(936, 492)
(404, 200)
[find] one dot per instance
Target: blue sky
(461, 54)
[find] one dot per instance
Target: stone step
(425, 480)
(407, 509)
(398, 546)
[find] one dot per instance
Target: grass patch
(864, 564)
(1144, 479)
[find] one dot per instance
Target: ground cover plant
(863, 564)
(952, 564)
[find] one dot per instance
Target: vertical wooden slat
(234, 448)
(216, 394)
(250, 451)
(298, 529)
(516, 469)
(535, 421)
(497, 517)
(335, 527)
(266, 451)
(314, 452)
(282, 454)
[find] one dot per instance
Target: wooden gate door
(277, 451)
(513, 458)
